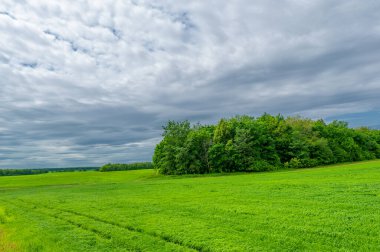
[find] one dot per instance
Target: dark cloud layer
(89, 82)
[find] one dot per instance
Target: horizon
(135, 161)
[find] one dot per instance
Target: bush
(261, 165)
(293, 163)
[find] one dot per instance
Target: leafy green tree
(245, 143)
(166, 154)
(223, 132)
(193, 156)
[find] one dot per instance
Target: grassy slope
(334, 208)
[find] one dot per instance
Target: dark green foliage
(192, 157)
(14, 172)
(167, 155)
(245, 143)
(126, 167)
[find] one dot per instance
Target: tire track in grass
(86, 226)
(39, 211)
(163, 237)
(76, 224)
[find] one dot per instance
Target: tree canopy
(245, 143)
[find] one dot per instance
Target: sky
(83, 83)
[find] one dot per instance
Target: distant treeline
(14, 172)
(245, 143)
(126, 167)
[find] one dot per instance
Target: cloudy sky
(88, 82)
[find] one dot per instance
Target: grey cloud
(89, 82)
(7, 14)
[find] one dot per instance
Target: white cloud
(97, 76)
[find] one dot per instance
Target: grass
(333, 208)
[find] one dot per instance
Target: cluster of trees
(126, 167)
(14, 172)
(245, 143)
(104, 168)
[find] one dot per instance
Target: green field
(331, 208)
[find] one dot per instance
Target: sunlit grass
(332, 208)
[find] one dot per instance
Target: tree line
(15, 172)
(244, 143)
(104, 168)
(126, 167)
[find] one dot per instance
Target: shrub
(261, 165)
